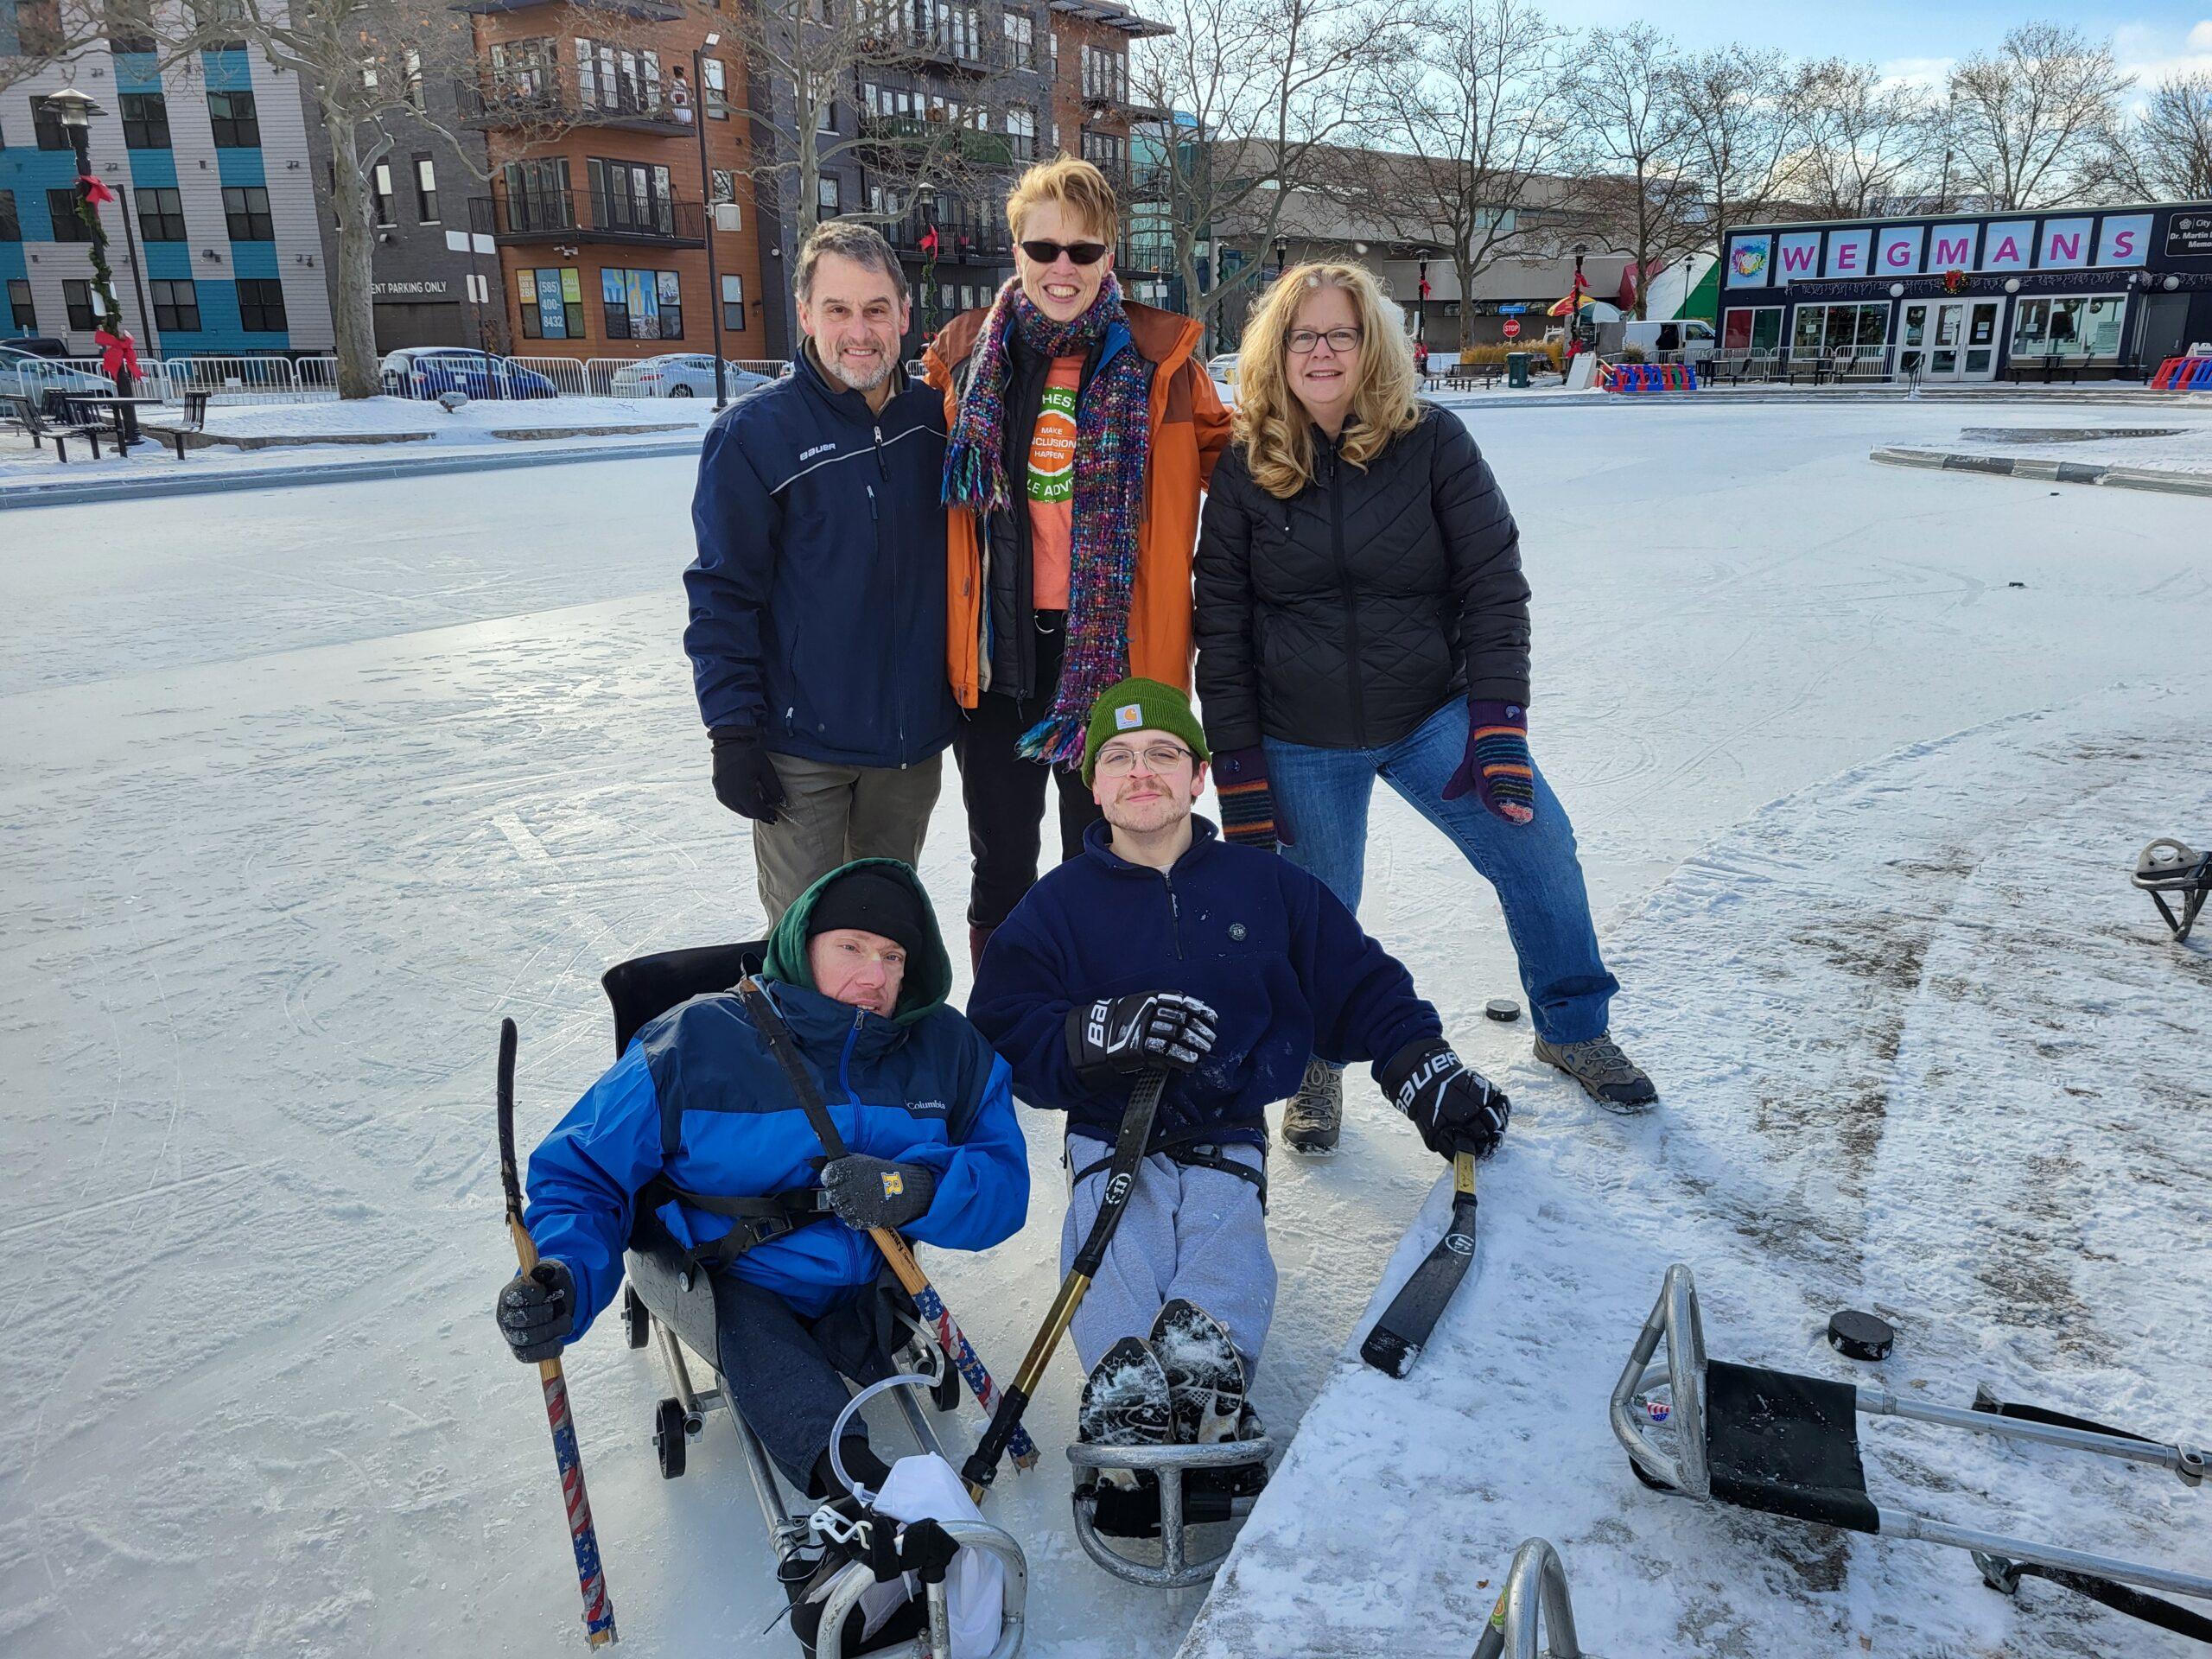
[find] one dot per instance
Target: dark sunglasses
(1084, 253)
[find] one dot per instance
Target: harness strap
(1196, 1150)
(757, 1220)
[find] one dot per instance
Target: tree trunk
(353, 309)
(1462, 272)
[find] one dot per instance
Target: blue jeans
(1322, 795)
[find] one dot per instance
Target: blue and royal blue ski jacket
(1276, 956)
(698, 1097)
(817, 597)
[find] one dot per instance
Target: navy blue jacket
(818, 599)
(1273, 952)
(698, 1097)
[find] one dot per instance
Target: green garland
(88, 213)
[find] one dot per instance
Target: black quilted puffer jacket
(1344, 617)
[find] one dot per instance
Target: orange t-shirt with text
(1051, 486)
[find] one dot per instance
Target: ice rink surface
(304, 788)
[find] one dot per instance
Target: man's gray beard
(861, 382)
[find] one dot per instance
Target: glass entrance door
(1949, 340)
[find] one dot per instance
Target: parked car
(24, 374)
(1223, 369)
(683, 374)
(38, 344)
(429, 372)
(1689, 340)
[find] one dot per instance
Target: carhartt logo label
(1128, 717)
(818, 449)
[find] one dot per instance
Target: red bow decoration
(95, 191)
(929, 241)
(117, 352)
(1424, 287)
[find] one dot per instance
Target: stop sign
(1513, 328)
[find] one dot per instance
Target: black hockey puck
(1504, 1009)
(1860, 1336)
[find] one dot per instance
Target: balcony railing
(593, 216)
(493, 105)
(978, 54)
(959, 241)
(917, 136)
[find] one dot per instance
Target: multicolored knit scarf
(1112, 442)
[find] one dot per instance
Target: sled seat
(1781, 1443)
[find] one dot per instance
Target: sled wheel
(637, 1324)
(668, 1437)
(945, 1393)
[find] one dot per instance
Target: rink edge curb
(2048, 472)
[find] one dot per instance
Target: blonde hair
(1273, 426)
(1080, 189)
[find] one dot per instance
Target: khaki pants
(832, 815)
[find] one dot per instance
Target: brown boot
(977, 938)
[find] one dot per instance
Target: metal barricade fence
(318, 376)
(570, 377)
(600, 372)
(235, 379)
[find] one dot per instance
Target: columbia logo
(818, 449)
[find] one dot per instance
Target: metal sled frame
(2182, 872)
(1675, 1319)
(1169, 1464)
(1535, 1583)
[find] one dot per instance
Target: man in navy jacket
(816, 636)
(1163, 946)
(697, 1113)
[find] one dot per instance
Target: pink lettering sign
(1953, 252)
(1796, 258)
(2007, 252)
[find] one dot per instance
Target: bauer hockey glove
(1455, 1109)
(1130, 1033)
(1497, 763)
(536, 1313)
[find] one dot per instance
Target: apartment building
(210, 160)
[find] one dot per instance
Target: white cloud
(2151, 54)
(1917, 71)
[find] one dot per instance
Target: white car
(1223, 369)
(23, 374)
(683, 374)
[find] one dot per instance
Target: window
(161, 213)
(22, 311)
(734, 304)
(426, 190)
(714, 83)
(825, 118)
(552, 303)
(1105, 75)
(631, 196)
(11, 228)
(62, 208)
(77, 297)
(617, 79)
(1021, 134)
(523, 72)
(1020, 40)
(176, 306)
(261, 305)
(1831, 330)
(2071, 325)
(538, 197)
(245, 213)
(830, 196)
(232, 116)
(411, 77)
(1752, 330)
(145, 120)
(1102, 150)
(51, 135)
(641, 304)
(386, 213)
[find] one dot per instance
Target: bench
(195, 419)
(25, 414)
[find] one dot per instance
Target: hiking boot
(1607, 1075)
(1314, 1116)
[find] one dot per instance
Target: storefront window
(2076, 325)
(1831, 329)
(1752, 329)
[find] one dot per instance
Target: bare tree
(1638, 140)
(1742, 126)
(1865, 141)
(37, 33)
(1472, 137)
(2165, 154)
(2030, 121)
(1260, 90)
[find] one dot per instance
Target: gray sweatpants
(1194, 1233)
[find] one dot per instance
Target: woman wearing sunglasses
(1082, 430)
(1361, 613)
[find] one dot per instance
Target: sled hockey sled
(667, 1304)
(1534, 1606)
(1786, 1444)
(2171, 869)
(1165, 1505)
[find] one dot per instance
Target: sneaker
(1607, 1075)
(1315, 1115)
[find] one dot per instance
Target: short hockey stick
(950, 1336)
(983, 1466)
(1399, 1336)
(591, 1577)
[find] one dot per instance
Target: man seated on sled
(1165, 946)
(698, 1113)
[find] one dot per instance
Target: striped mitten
(1248, 804)
(1497, 764)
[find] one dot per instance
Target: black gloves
(536, 1313)
(1128, 1034)
(1455, 1109)
(745, 778)
(866, 1192)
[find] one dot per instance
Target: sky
(1915, 41)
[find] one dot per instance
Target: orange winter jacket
(1190, 430)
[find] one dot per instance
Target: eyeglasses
(1302, 340)
(1120, 762)
(1084, 253)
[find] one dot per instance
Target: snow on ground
(301, 790)
(473, 420)
(2101, 437)
(1926, 1051)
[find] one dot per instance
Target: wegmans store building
(2097, 293)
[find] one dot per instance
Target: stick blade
(1404, 1329)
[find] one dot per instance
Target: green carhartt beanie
(1141, 705)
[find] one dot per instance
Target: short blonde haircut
(1271, 423)
(1080, 189)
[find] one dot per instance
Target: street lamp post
(1420, 311)
(926, 199)
(1282, 256)
(707, 196)
(74, 111)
